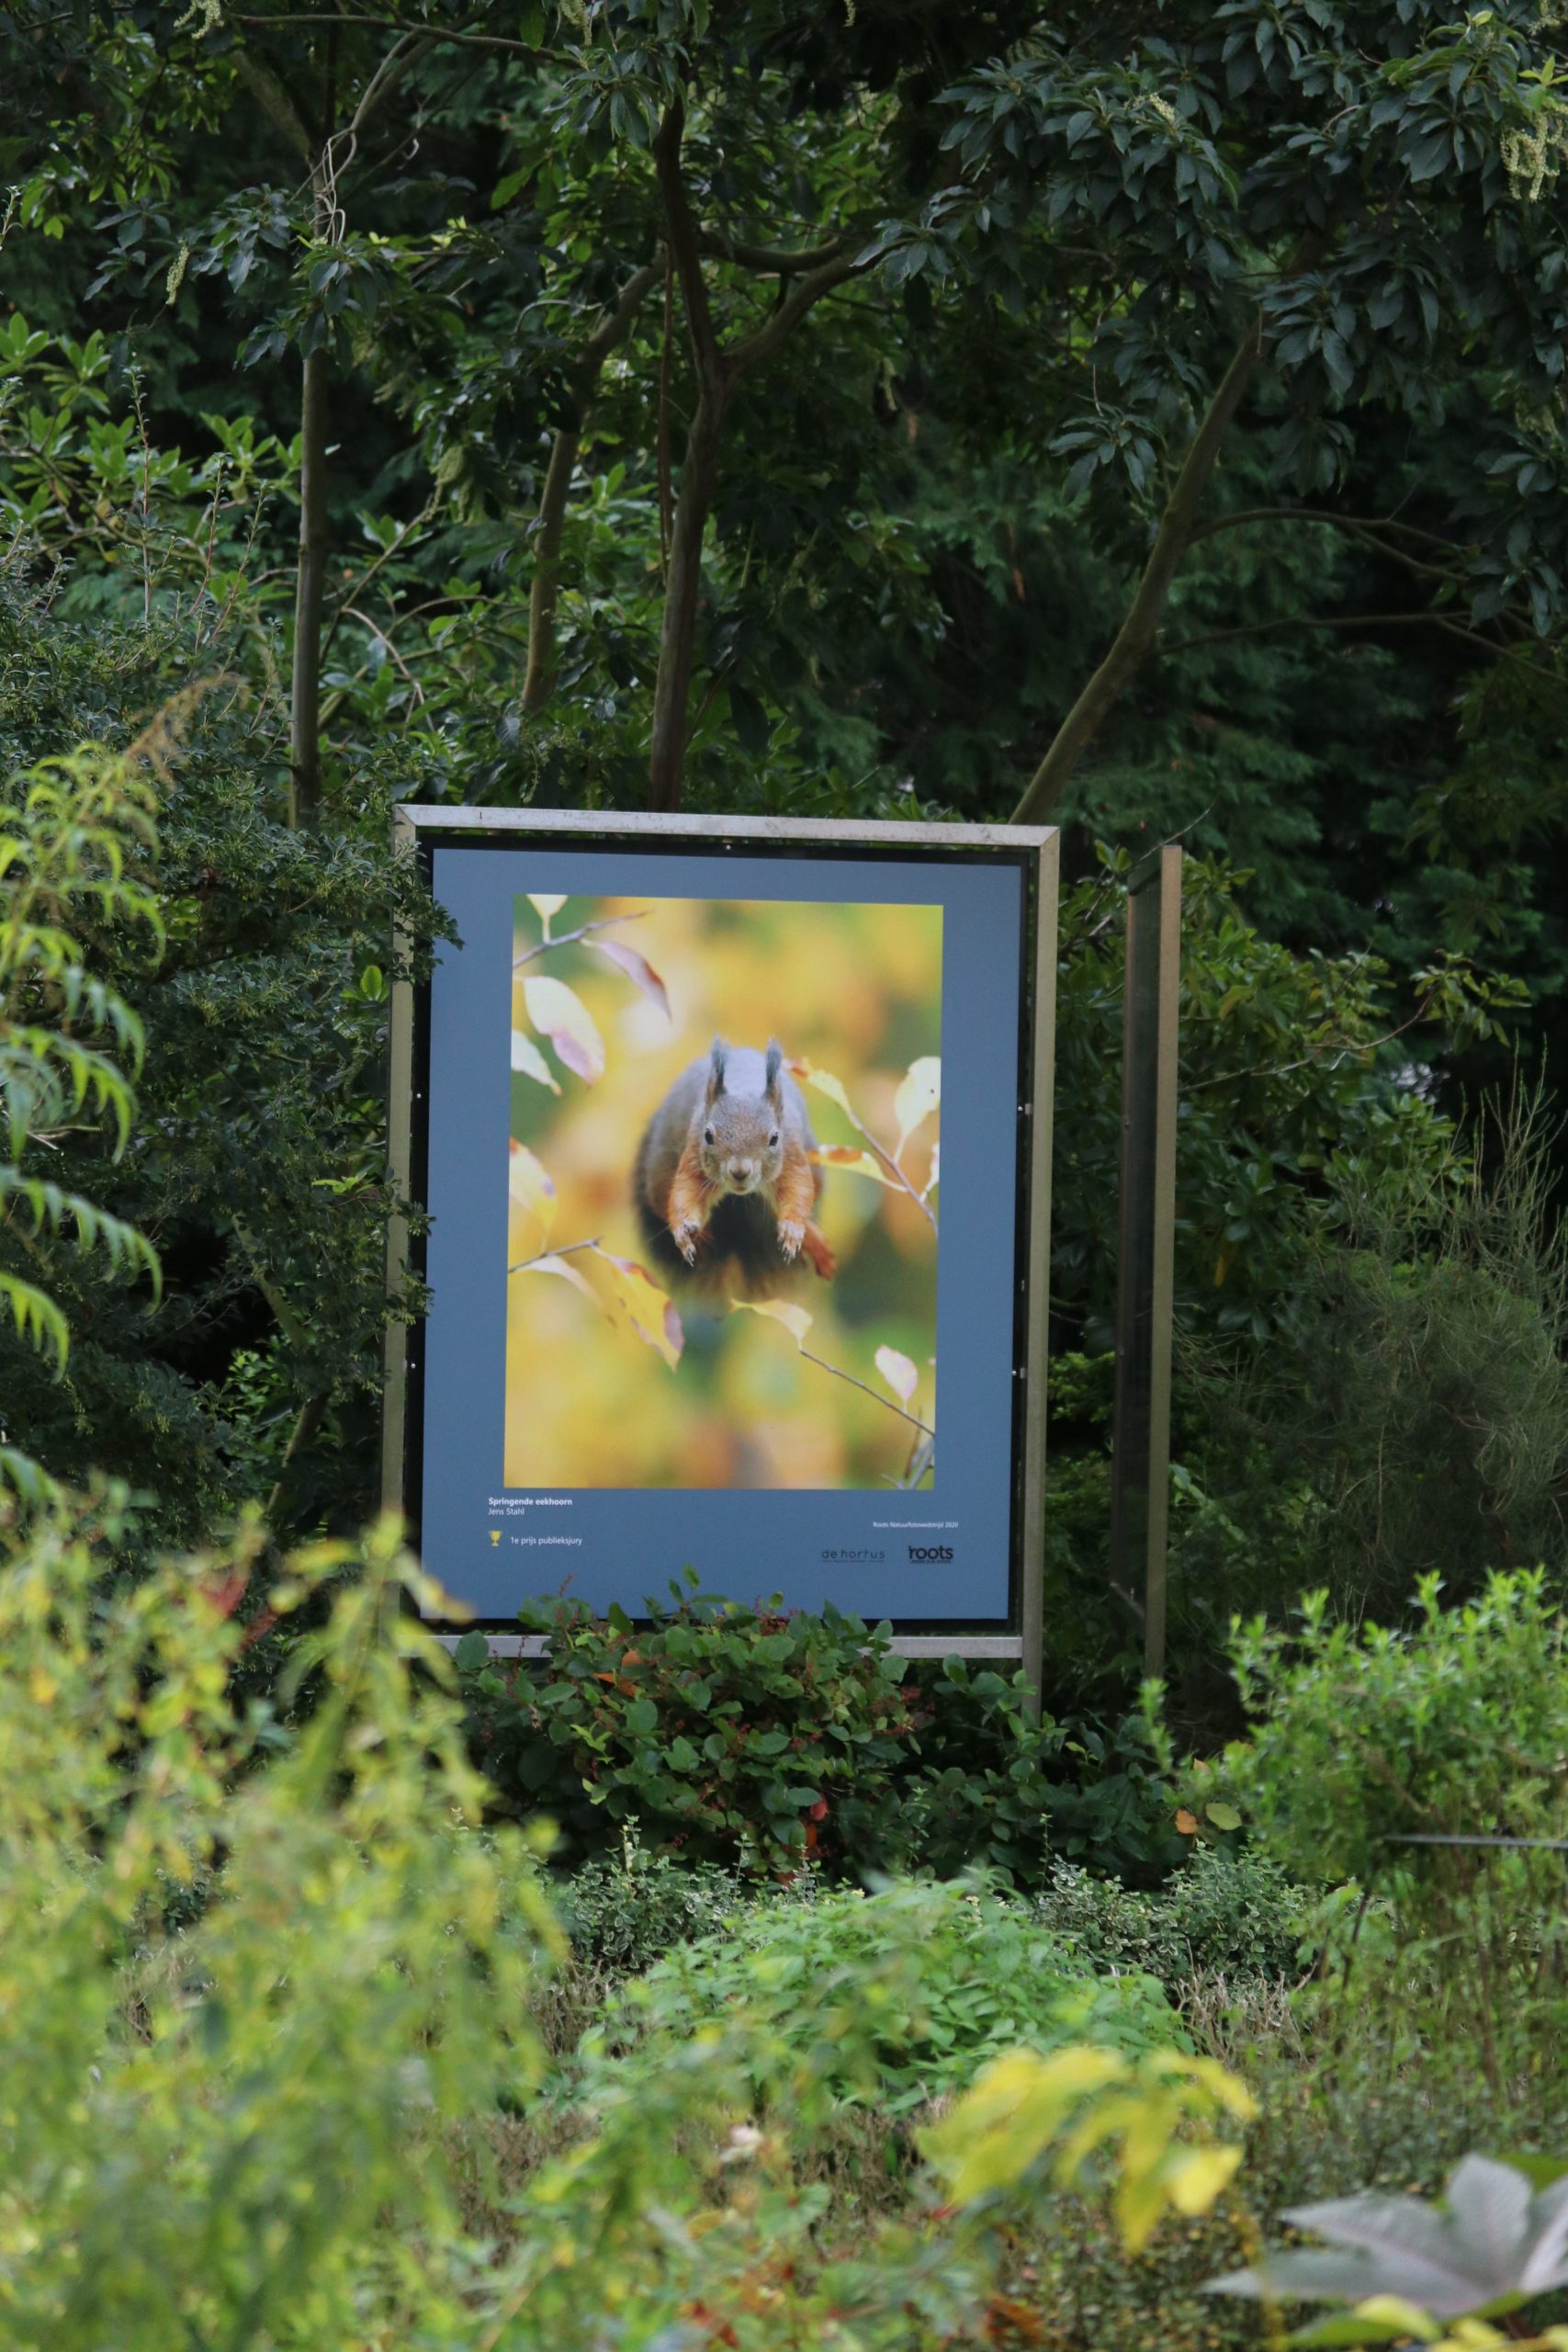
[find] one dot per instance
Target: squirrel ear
(771, 1070)
(715, 1071)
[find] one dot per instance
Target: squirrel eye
(774, 1136)
(708, 1134)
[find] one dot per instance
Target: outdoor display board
(734, 1141)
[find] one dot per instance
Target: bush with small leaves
(932, 1980)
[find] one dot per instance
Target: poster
(727, 1188)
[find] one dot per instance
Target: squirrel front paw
(791, 1235)
(687, 1235)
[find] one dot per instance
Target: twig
(924, 1427)
(605, 923)
(565, 1251)
(358, 587)
(1352, 620)
(1342, 1046)
(889, 1162)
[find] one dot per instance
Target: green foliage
(620, 1913)
(1297, 1118)
(758, 1740)
(269, 2079)
(1369, 1742)
(1230, 1914)
(213, 2135)
(938, 1980)
(1453, 1725)
(257, 974)
(1414, 1416)
(991, 1788)
(70, 829)
(735, 1734)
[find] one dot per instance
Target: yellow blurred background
(609, 1382)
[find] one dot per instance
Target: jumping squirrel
(725, 1184)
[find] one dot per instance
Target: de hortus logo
(931, 1551)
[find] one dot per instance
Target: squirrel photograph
(726, 1189)
(723, 1190)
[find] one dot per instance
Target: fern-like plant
(74, 833)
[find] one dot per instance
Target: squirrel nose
(739, 1169)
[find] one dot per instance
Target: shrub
(1452, 1727)
(734, 1735)
(1413, 1414)
(754, 1739)
(1226, 1914)
(988, 1787)
(901, 1995)
(622, 1913)
(1456, 1724)
(290, 2126)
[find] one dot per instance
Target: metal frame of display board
(1140, 1464)
(417, 830)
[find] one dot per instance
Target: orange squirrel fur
(725, 1183)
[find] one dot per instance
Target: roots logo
(931, 1551)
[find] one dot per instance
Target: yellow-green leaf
(1196, 2176)
(560, 1014)
(825, 1083)
(919, 1093)
(649, 1310)
(569, 1273)
(529, 1062)
(534, 1197)
(853, 1162)
(777, 1310)
(899, 1373)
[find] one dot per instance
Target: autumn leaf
(898, 1373)
(919, 1094)
(635, 968)
(529, 1062)
(825, 1083)
(853, 1162)
(777, 1310)
(569, 1273)
(560, 1014)
(532, 1192)
(649, 1309)
(1186, 1822)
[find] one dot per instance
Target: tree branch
(1353, 620)
(768, 261)
(550, 526)
(276, 105)
(394, 25)
(1246, 514)
(684, 244)
(800, 298)
(1136, 634)
(383, 80)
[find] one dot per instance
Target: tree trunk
(304, 713)
(699, 475)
